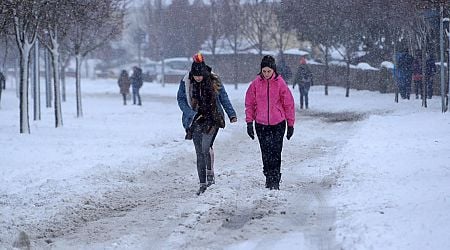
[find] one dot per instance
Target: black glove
(290, 132)
(250, 131)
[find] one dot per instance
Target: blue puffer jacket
(185, 91)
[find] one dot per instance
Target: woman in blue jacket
(202, 99)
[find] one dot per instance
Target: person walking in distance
(430, 71)
(2, 84)
(202, 98)
(124, 85)
(304, 79)
(269, 105)
(417, 73)
(136, 83)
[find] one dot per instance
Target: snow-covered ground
(360, 173)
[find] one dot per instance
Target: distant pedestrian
(417, 74)
(124, 83)
(136, 83)
(430, 71)
(404, 72)
(2, 84)
(2, 81)
(304, 79)
(269, 104)
(202, 98)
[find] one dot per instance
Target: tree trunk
(23, 89)
(63, 83)
(78, 85)
(347, 89)
(327, 74)
(395, 74)
(48, 84)
(424, 76)
(56, 86)
(36, 84)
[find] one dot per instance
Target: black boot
(271, 182)
(267, 179)
(210, 180)
(275, 184)
(202, 188)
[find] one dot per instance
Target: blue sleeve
(225, 102)
(188, 112)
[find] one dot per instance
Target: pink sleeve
(250, 103)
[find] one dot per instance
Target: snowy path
(149, 202)
(123, 177)
(157, 209)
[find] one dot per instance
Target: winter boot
(202, 188)
(267, 179)
(210, 180)
(275, 182)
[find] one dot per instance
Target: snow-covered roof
(295, 51)
(387, 64)
(365, 66)
(342, 64)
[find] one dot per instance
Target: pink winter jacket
(269, 102)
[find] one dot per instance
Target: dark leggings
(137, 96)
(304, 89)
(270, 139)
(418, 87)
(202, 143)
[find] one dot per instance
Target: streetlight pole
(447, 31)
(441, 45)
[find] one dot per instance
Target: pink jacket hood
(269, 102)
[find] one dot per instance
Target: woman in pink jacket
(270, 104)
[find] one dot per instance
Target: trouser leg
(408, 87)
(271, 143)
(306, 100)
(302, 93)
(202, 142)
(430, 89)
(210, 168)
(417, 87)
(139, 98)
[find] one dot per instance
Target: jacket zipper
(268, 106)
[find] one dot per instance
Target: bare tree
(234, 22)
(315, 21)
(26, 16)
(2, 25)
(94, 24)
(184, 35)
(421, 31)
(347, 40)
(54, 30)
(281, 33)
(257, 14)
(215, 29)
(153, 15)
